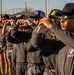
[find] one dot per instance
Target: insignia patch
(71, 53)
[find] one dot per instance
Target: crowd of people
(39, 45)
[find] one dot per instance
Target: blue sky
(35, 4)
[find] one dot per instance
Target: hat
(68, 9)
(56, 13)
(38, 14)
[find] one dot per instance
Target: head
(5, 17)
(21, 16)
(55, 15)
(12, 20)
(67, 20)
(25, 28)
(38, 14)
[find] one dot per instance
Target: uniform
(38, 43)
(21, 54)
(66, 54)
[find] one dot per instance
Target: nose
(62, 20)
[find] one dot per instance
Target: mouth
(63, 27)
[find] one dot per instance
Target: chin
(63, 28)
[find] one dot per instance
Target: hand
(12, 22)
(46, 22)
(6, 22)
(19, 22)
(27, 22)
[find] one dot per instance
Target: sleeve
(10, 39)
(36, 38)
(20, 36)
(37, 42)
(65, 36)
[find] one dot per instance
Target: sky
(35, 4)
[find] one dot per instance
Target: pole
(46, 6)
(26, 6)
(0, 8)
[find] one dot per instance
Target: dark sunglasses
(26, 27)
(3, 18)
(67, 17)
(35, 19)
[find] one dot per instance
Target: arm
(39, 42)
(36, 38)
(4, 29)
(18, 35)
(66, 37)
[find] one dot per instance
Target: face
(3, 20)
(67, 23)
(36, 21)
(54, 20)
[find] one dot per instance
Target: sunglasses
(3, 18)
(67, 17)
(26, 27)
(35, 19)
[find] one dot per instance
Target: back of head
(68, 9)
